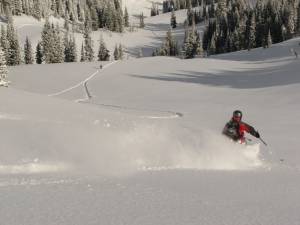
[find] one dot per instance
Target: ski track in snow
(80, 83)
(172, 115)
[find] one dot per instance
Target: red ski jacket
(236, 130)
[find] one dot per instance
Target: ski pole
(263, 141)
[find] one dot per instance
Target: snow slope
(135, 7)
(146, 148)
(140, 40)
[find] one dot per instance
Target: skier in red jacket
(235, 129)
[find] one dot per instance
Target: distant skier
(235, 129)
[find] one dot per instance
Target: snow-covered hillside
(140, 40)
(135, 7)
(146, 147)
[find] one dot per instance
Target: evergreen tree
(28, 55)
(3, 69)
(14, 52)
(126, 18)
(83, 55)
(67, 47)
(154, 10)
(37, 10)
(169, 47)
(103, 53)
(88, 44)
(173, 20)
(4, 42)
(119, 17)
(58, 48)
(116, 53)
(142, 23)
(72, 50)
(290, 16)
(48, 42)
(17, 7)
(250, 32)
(298, 19)
(39, 54)
(192, 44)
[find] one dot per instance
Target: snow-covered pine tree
(58, 50)
(14, 52)
(126, 18)
(4, 42)
(116, 53)
(173, 20)
(154, 9)
(88, 44)
(169, 47)
(187, 45)
(119, 17)
(250, 32)
(39, 56)
(48, 42)
(108, 20)
(28, 55)
(290, 16)
(142, 23)
(94, 17)
(82, 53)
(3, 69)
(103, 53)
(237, 42)
(66, 47)
(298, 19)
(72, 50)
(17, 8)
(37, 10)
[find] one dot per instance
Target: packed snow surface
(139, 141)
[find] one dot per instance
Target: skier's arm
(249, 129)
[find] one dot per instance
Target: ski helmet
(238, 114)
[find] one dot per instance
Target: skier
(235, 129)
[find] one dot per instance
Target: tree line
(234, 25)
(97, 13)
(238, 26)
